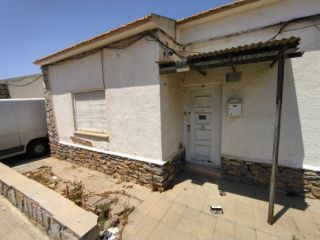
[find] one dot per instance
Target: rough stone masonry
(294, 181)
(4, 91)
(157, 177)
(39, 204)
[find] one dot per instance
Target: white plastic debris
(216, 209)
(112, 233)
(54, 177)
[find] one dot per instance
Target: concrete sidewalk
(183, 211)
(15, 226)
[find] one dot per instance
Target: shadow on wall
(291, 178)
(172, 114)
(132, 67)
(291, 149)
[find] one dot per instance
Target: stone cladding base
(291, 180)
(157, 177)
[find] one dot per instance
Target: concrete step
(202, 170)
(58, 216)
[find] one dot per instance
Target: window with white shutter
(90, 111)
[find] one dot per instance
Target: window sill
(93, 134)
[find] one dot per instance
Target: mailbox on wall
(234, 108)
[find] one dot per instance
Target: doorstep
(202, 170)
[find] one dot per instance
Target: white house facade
(141, 100)
(29, 86)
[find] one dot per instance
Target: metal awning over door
(251, 53)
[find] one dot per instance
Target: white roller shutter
(90, 111)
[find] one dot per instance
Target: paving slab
(183, 212)
(15, 225)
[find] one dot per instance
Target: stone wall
(4, 91)
(36, 213)
(291, 180)
(52, 130)
(156, 177)
(38, 203)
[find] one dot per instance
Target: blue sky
(30, 29)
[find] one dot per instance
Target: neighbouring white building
(140, 100)
(29, 86)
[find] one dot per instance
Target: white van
(23, 127)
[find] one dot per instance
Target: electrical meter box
(234, 108)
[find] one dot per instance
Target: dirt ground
(112, 205)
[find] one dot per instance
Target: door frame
(186, 135)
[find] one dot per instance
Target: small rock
(316, 192)
(316, 183)
(310, 195)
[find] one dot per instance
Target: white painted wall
(172, 106)
(270, 12)
(251, 136)
(73, 76)
(132, 95)
(26, 87)
(303, 111)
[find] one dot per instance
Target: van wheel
(38, 148)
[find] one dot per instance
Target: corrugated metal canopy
(250, 53)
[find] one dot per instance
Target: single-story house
(28, 86)
(141, 100)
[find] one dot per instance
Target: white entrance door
(203, 125)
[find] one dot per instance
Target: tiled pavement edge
(15, 226)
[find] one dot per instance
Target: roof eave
(12, 79)
(244, 54)
(117, 34)
(220, 11)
